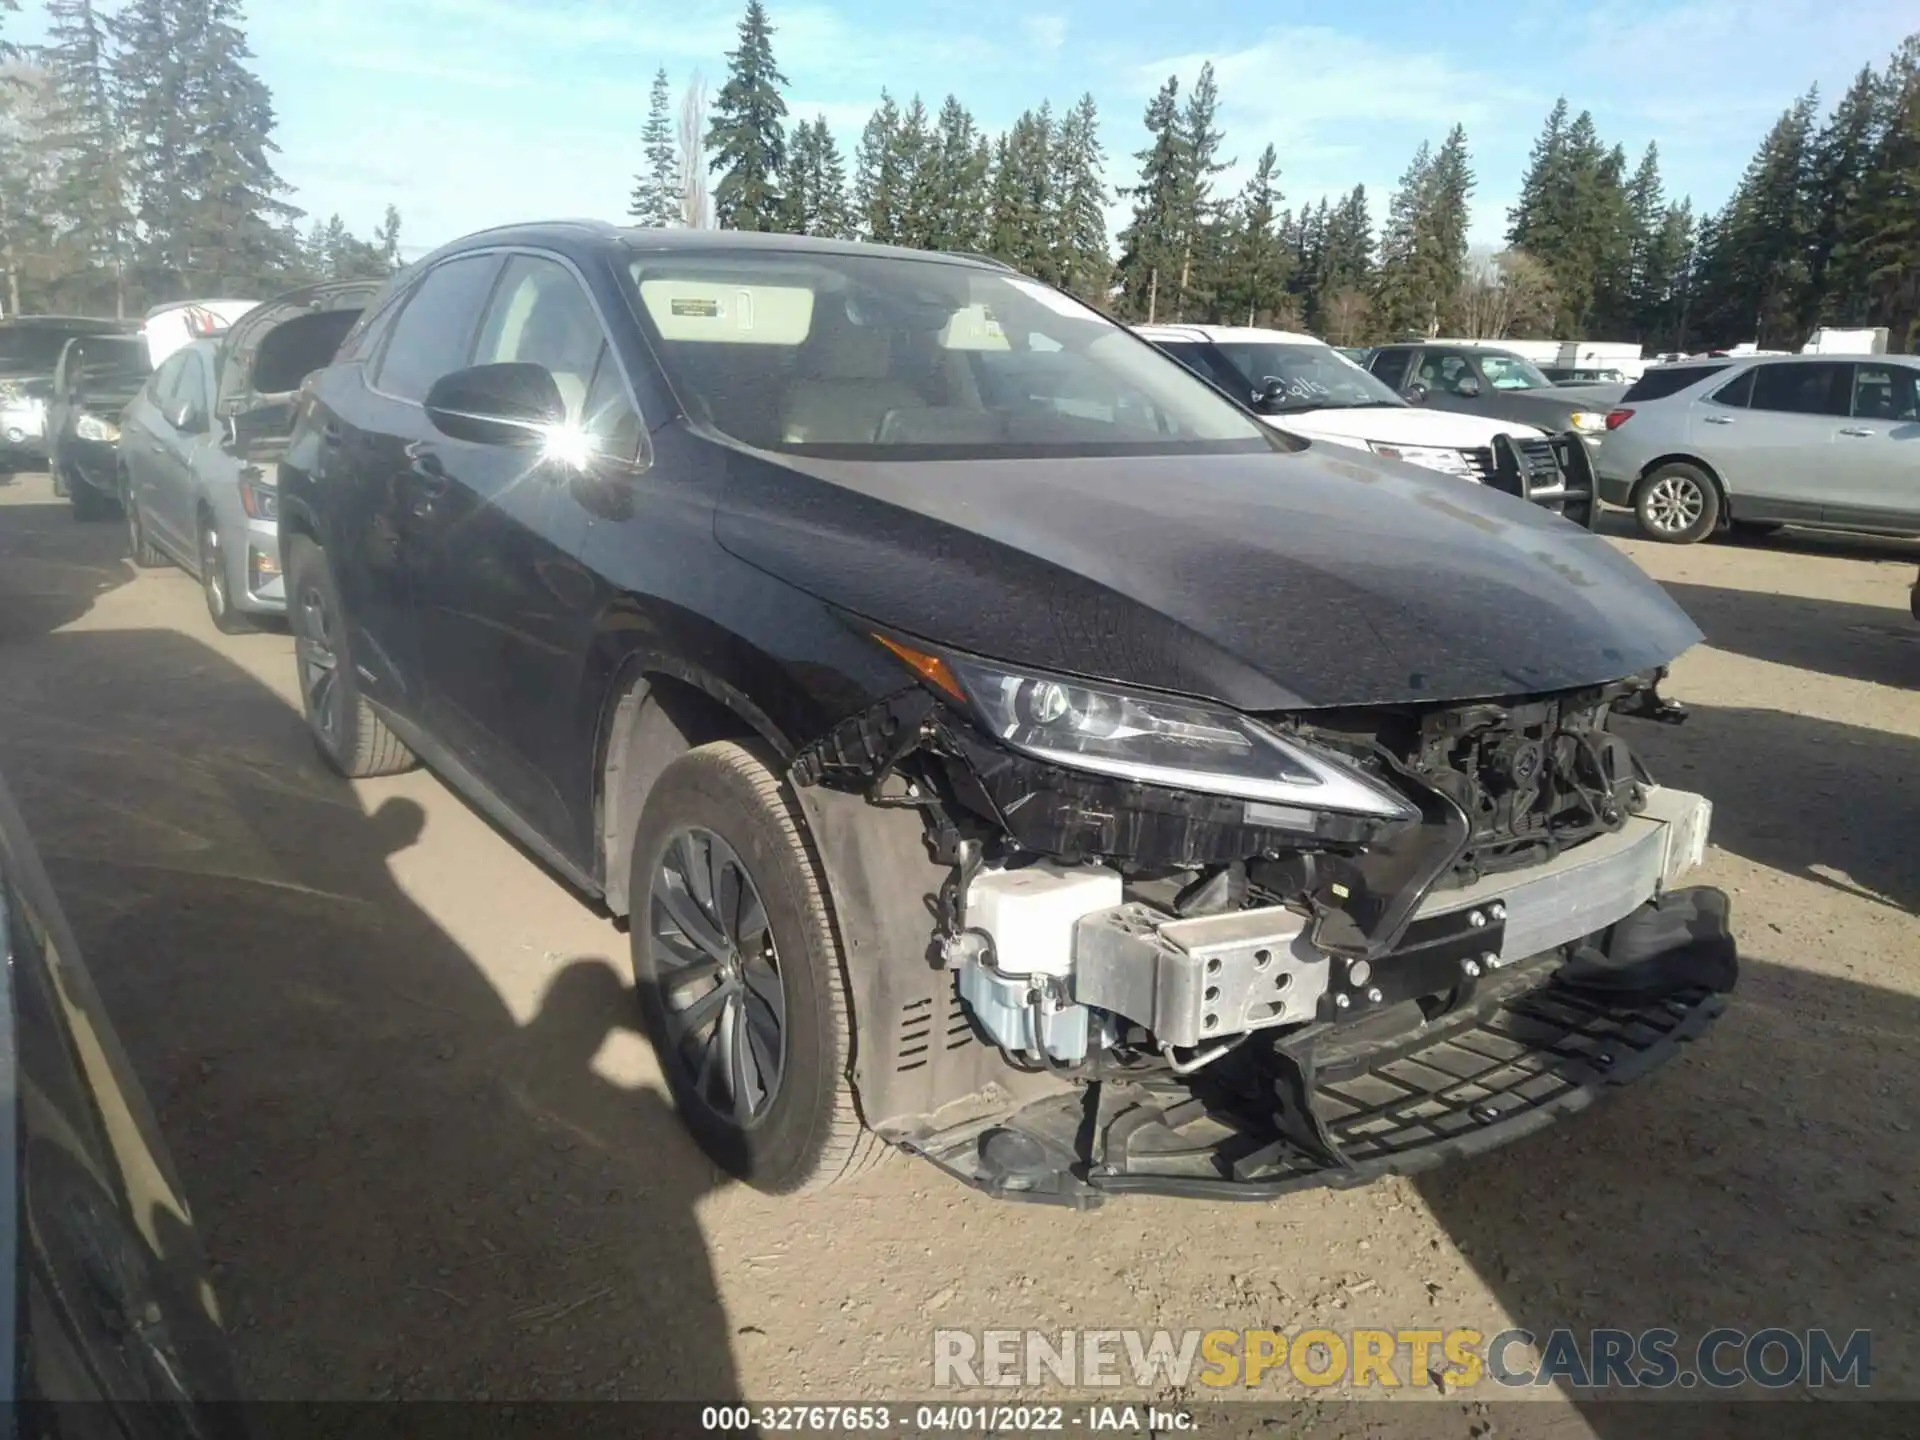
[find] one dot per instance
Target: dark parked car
(201, 442)
(98, 375)
(30, 347)
(1003, 745)
(1484, 381)
(107, 1290)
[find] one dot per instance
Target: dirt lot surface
(430, 1155)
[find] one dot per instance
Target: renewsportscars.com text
(1773, 1358)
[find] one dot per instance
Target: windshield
(1303, 377)
(1510, 372)
(863, 357)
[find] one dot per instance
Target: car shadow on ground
(1791, 539)
(53, 568)
(1763, 1179)
(1824, 637)
(1812, 798)
(374, 1147)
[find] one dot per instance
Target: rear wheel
(145, 553)
(350, 737)
(227, 619)
(1677, 504)
(739, 974)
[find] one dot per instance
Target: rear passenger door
(1771, 439)
(505, 608)
(1876, 449)
(368, 430)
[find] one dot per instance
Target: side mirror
(185, 417)
(1466, 387)
(1417, 393)
(516, 404)
(1270, 391)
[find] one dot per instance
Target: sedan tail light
(1617, 418)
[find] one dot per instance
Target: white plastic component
(1030, 912)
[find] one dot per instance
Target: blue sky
(472, 112)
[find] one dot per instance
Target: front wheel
(739, 974)
(1677, 504)
(87, 502)
(349, 735)
(227, 619)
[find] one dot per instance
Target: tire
(1678, 504)
(351, 738)
(88, 503)
(802, 1130)
(227, 619)
(145, 553)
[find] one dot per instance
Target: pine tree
(147, 74)
(916, 159)
(1079, 199)
(1838, 173)
(1883, 238)
(747, 137)
(816, 184)
(1753, 280)
(878, 186)
(27, 185)
(956, 161)
(1646, 209)
(1201, 217)
(1253, 280)
(83, 142)
(1397, 296)
(1019, 203)
(387, 240)
(1152, 247)
(1423, 250)
(656, 188)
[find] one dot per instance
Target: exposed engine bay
(1186, 968)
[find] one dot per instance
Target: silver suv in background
(1764, 441)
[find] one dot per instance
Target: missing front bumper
(1337, 1106)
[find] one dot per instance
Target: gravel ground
(431, 1157)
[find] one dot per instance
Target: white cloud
(1045, 32)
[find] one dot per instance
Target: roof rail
(992, 260)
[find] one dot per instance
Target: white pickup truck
(1302, 385)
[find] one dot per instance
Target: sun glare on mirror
(567, 445)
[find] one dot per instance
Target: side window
(541, 315)
(1443, 370)
(1737, 391)
(166, 380)
(1802, 388)
(1885, 392)
(364, 339)
(610, 417)
(435, 331)
(1390, 367)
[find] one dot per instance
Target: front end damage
(1070, 985)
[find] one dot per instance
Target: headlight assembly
(1159, 741)
(92, 427)
(1433, 457)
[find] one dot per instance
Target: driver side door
(185, 429)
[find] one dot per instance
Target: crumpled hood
(1267, 581)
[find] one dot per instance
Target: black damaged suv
(1002, 746)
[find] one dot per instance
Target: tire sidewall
(781, 1149)
(307, 568)
(1710, 506)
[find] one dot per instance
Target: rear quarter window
(1665, 380)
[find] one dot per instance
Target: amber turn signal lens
(930, 668)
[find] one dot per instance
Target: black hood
(1269, 581)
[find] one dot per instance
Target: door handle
(1855, 430)
(330, 432)
(1718, 419)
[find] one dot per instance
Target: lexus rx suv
(1002, 746)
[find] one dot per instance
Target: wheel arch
(658, 708)
(1681, 457)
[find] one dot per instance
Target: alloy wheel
(319, 663)
(1674, 504)
(719, 976)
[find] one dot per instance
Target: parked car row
(179, 429)
(1005, 745)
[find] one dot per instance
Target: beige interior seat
(849, 387)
